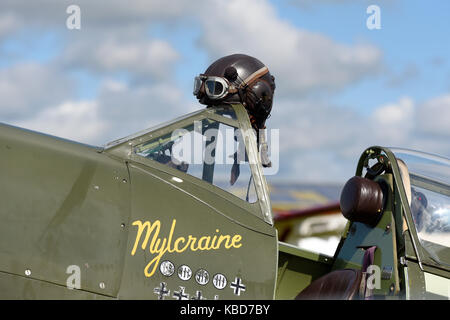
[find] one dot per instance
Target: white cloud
(301, 61)
(393, 123)
(319, 141)
(113, 37)
(138, 57)
(325, 143)
(310, 124)
(434, 116)
(75, 120)
(25, 88)
(8, 24)
(309, 4)
(419, 125)
(104, 13)
(118, 111)
(128, 109)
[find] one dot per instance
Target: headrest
(362, 200)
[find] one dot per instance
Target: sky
(341, 87)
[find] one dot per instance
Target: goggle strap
(232, 89)
(257, 74)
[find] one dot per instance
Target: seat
(362, 200)
(337, 285)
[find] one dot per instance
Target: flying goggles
(218, 87)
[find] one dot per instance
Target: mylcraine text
(160, 245)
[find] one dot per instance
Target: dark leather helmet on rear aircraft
(238, 78)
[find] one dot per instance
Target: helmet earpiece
(259, 98)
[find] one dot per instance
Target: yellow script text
(158, 246)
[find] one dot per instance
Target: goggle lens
(215, 87)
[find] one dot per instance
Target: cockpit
(427, 185)
(215, 145)
(210, 149)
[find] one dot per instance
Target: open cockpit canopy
(427, 186)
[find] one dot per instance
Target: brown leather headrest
(362, 201)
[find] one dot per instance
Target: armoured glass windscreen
(208, 150)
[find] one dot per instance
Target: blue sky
(340, 86)
(413, 33)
